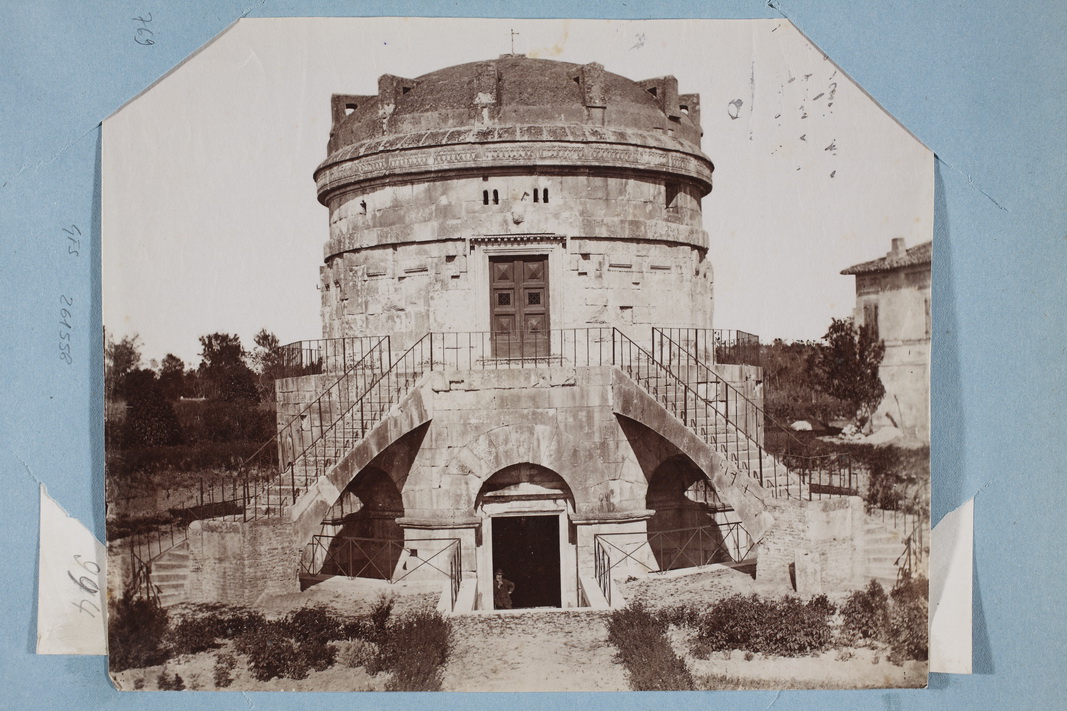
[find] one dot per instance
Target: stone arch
(683, 531)
(741, 492)
(467, 470)
(366, 537)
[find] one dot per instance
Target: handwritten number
(68, 300)
(86, 564)
(143, 30)
(85, 583)
(85, 602)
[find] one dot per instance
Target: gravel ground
(533, 651)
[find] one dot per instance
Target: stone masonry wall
(819, 544)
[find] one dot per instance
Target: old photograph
(514, 355)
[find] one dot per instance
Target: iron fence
(717, 345)
(674, 549)
(493, 350)
(387, 559)
(324, 355)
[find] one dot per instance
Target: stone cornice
(374, 160)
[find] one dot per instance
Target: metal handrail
(323, 355)
(698, 414)
(496, 350)
(830, 474)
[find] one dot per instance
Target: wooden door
(519, 306)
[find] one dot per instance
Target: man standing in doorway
(502, 589)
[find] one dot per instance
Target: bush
(379, 614)
(136, 634)
(204, 629)
(169, 683)
(640, 637)
(356, 652)
(314, 624)
(224, 665)
(271, 652)
(866, 614)
(786, 627)
(414, 649)
(909, 630)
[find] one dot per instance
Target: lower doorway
(526, 548)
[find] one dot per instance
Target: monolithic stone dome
(514, 100)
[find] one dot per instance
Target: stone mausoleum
(518, 369)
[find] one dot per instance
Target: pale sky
(210, 221)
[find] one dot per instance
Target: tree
(120, 358)
(268, 359)
(846, 364)
(172, 376)
(223, 366)
(150, 419)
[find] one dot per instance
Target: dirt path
(532, 651)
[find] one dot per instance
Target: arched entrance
(686, 529)
(360, 537)
(526, 532)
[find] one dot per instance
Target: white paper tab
(951, 570)
(71, 609)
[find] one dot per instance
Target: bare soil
(533, 651)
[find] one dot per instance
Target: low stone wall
(238, 562)
(815, 546)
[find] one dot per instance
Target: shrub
(379, 614)
(224, 664)
(193, 635)
(785, 627)
(203, 629)
(271, 653)
(909, 631)
(136, 633)
(355, 652)
(414, 649)
(866, 614)
(290, 647)
(314, 624)
(169, 683)
(640, 637)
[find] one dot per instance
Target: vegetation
(898, 619)
(789, 390)
(412, 649)
(845, 366)
(641, 638)
(784, 627)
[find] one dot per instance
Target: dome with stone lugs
(516, 100)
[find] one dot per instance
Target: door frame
(481, 249)
(568, 561)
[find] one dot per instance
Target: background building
(893, 297)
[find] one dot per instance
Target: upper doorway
(518, 303)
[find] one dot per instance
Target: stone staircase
(708, 420)
(170, 575)
(885, 546)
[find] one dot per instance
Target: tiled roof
(919, 254)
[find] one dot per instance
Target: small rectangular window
(544, 195)
(670, 194)
(485, 197)
(536, 196)
(496, 198)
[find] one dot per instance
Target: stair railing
(828, 475)
(700, 415)
(308, 453)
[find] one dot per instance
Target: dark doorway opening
(527, 549)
